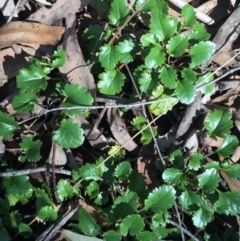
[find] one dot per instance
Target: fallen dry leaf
(20, 32)
(120, 131)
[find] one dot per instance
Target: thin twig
(95, 107)
(34, 170)
(145, 115)
(179, 220)
(184, 230)
(14, 10)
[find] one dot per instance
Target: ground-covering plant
(164, 58)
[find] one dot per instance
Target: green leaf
(221, 205)
(233, 171)
(194, 162)
(185, 91)
(228, 146)
(203, 216)
(101, 166)
(233, 199)
(7, 125)
(24, 102)
(138, 122)
(32, 80)
(125, 205)
(86, 224)
(189, 15)
(146, 135)
(58, 58)
(118, 12)
(149, 5)
(177, 45)
(108, 56)
(4, 234)
(102, 198)
(176, 157)
(231, 234)
(93, 189)
(31, 149)
(188, 74)
(189, 200)
(111, 236)
(89, 172)
(163, 26)
(133, 224)
(155, 58)
(205, 78)
(219, 123)
(100, 5)
(168, 76)
(148, 39)
(64, 190)
(208, 180)
(124, 48)
(145, 236)
(160, 199)
(137, 184)
(161, 107)
(199, 34)
(76, 95)
(147, 81)
(173, 176)
(122, 170)
(111, 82)
(24, 230)
(69, 135)
(18, 185)
(160, 232)
(42, 198)
(47, 212)
(200, 53)
(119, 154)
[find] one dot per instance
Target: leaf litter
(19, 42)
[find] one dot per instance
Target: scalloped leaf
(89, 172)
(133, 224)
(111, 82)
(7, 125)
(32, 79)
(93, 189)
(47, 212)
(160, 199)
(76, 95)
(177, 45)
(155, 58)
(24, 102)
(173, 176)
(124, 48)
(122, 170)
(111, 236)
(168, 76)
(69, 135)
(208, 180)
(219, 123)
(58, 58)
(201, 52)
(31, 149)
(108, 56)
(189, 15)
(118, 12)
(185, 91)
(228, 146)
(162, 26)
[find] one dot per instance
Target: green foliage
(69, 134)
(7, 125)
(165, 62)
(31, 150)
(86, 223)
(219, 123)
(65, 190)
(47, 212)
